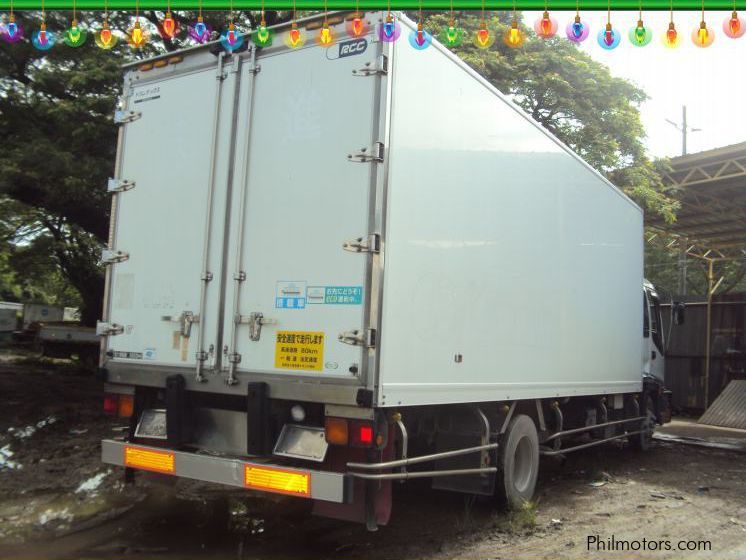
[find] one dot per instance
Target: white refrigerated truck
(335, 267)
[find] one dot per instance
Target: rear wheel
(518, 462)
(644, 440)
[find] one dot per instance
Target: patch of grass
(519, 520)
(524, 518)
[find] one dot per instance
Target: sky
(710, 81)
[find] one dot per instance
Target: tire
(518, 462)
(644, 441)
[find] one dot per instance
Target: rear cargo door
(298, 289)
(160, 223)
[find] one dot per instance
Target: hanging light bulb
(105, 39)
(136, 36)
(577, 31)
(168, 27)
(452, 35)
(325, 38)
(734, 26)
(231, 39)
(545, 27)
(42, 39)
(262, 37)
(609, 38)
(513, 37)
(200, 32)
(640, 35)
(419, 38)
(356, 25)
(294, 38)
(74, 36)
(671, 36)
(703, 36)
(483, 38)
(389, 30)
(12, 32)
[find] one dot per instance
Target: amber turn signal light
(336, 431)
(126, 406)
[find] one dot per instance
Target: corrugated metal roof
(711, 187)
(729, 409)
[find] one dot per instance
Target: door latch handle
(185, 322)
(255, 321)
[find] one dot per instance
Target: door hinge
(368, 244)
(123, 117)
(185, 322)
(381, 68)
(119, 185)
(366, 338)
(108, 329)
(111, 256)
(201, 356)
(364, 156)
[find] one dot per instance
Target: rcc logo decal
(351, 48)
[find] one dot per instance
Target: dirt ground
(58, 501)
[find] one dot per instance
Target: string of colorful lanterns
(545, 27)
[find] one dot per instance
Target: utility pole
(684, 128)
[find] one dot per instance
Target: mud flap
(178, 423)
(664, 406)
(368, 496)
(258, 440)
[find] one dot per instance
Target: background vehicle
(390, 272)
(66, 339)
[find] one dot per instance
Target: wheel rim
(522, 465)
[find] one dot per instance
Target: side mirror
(678, 309)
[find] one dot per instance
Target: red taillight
(111, 404)
(362, 434)
(366, 434)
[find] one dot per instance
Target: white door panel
(303, 200)
(161, 222)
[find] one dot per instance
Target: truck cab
(653, 344)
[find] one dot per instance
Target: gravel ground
(58, 501)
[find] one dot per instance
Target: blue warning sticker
(335, 295)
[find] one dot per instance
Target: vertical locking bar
(206, 276)
(239, 275)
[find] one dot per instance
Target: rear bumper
(321, 485)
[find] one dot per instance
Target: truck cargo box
(361, 224)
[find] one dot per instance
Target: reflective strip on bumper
(156, 461)
(326, 486)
